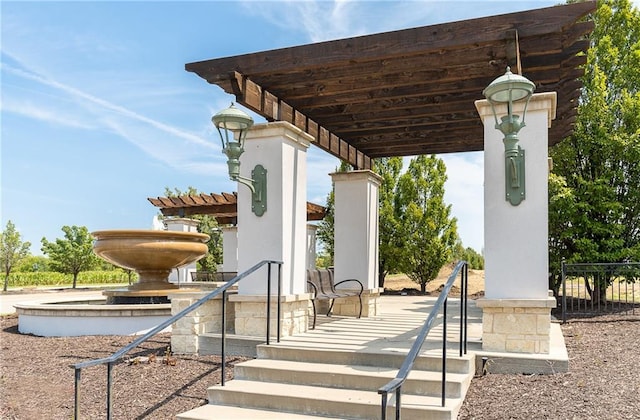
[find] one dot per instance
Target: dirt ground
(397, 283)
(36, 380)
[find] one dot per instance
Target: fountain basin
(89, 317)
(150, 253)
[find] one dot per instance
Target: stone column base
(205, 319)
(516, 325)
(251, 314)
(349, 306)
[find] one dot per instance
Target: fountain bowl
(150, 253)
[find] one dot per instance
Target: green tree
(598, 166)
(470, 255)
(391, 239)
(73, 254)
(12, 250)
(429, 230)
(206, 224)
(33, 263)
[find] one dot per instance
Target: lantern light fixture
(233, 125)
(508, 89)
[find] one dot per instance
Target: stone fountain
(152, 254)
(132, 310)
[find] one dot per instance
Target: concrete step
(241, 345)
(366, 378)
(223, 412)
(322, 401)
(455, 364)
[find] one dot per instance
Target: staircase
(290, 381)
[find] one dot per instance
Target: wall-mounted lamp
(507, 89)
(233, 124)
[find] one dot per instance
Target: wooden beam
(251, 96)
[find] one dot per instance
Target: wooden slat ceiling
(411, 91)
(224, 207)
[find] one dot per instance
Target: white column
(311, 246)
(356, 226)
(516, 237)
(230, 249)
(281, 233)
(179, 224)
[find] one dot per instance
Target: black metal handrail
(111, 360)
(396, 383)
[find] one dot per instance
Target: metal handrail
(396, 383)
(109, 361)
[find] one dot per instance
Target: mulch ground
(603, 381)
(36, 380)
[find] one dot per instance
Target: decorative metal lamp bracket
(259, 192)
(514, 176)
(258, 186)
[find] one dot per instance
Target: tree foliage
(33, 264)
(391, 239)
(73, 253)
(470, 255)
(206, 224)
(594, 202)
(12, 250)
(429, 231)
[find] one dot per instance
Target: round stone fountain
(152, 254)
(132, 310)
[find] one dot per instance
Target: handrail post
(109, 368)
(444, 349)
(223, 352)
(279, 313)
(465, 270)
(268, 302)
(383, 413)
(398, 402)
(76, 395)
(564, 292)
(462, 292)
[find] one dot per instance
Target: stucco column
(230, 249)
(311, 246)
(179, 224)
(516, 306)
(356, 236)
(279, 234)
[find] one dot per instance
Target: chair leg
(331, 307)
(313, 303)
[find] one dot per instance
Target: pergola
(224, 207)
(412, 91)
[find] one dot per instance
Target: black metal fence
(595, 288)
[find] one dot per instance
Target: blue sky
(98, 113)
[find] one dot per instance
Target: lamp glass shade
(232, 119)
(509, 88)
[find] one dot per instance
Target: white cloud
(164, 142)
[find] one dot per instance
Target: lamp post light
(233, 125)
(508, 89)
